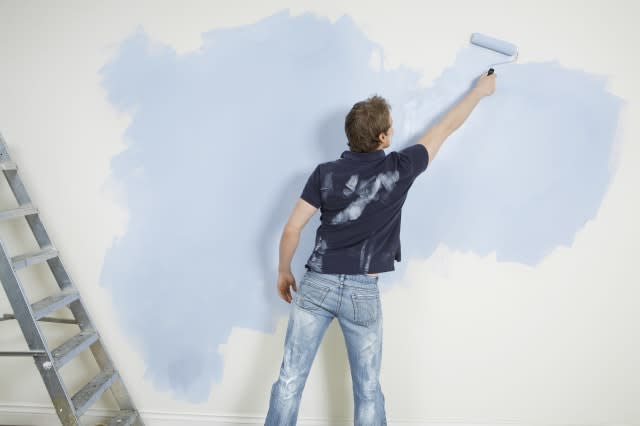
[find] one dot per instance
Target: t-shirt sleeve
(311, 191)
(412, 160)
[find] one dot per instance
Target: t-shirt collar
(364, 156)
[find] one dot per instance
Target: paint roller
(495, 45)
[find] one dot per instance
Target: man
(361, 196)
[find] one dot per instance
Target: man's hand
(286, 280)
(486, 84)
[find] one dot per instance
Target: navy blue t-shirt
(360, 196)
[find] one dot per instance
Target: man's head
(369, 125)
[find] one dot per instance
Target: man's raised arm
(435, 136)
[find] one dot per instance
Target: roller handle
(490, 71)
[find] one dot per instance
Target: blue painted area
(524, 173)
(223, 139)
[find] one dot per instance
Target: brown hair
(364, 123)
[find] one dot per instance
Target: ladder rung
(52, 303)
(32, 258)
(92, 391)
(44, 319)
(72, 347)
(22, 353)
(125, 418)
(24, 210)
(8, 165)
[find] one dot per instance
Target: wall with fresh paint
(166, 145)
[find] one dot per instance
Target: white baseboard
(29, 414)
(26, 414)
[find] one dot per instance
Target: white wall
(467, 339)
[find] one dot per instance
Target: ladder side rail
(64, 281)
(35, 340)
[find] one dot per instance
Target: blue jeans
(355, 301)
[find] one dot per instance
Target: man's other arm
(435, 136)
(300, 215)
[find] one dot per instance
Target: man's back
(360, 196)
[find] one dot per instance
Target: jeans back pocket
(365, 307)
(310, 295)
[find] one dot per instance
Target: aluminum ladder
(69, 408)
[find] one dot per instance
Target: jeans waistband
(362, 278)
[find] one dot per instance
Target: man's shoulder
(329, 165)
(410, 160)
